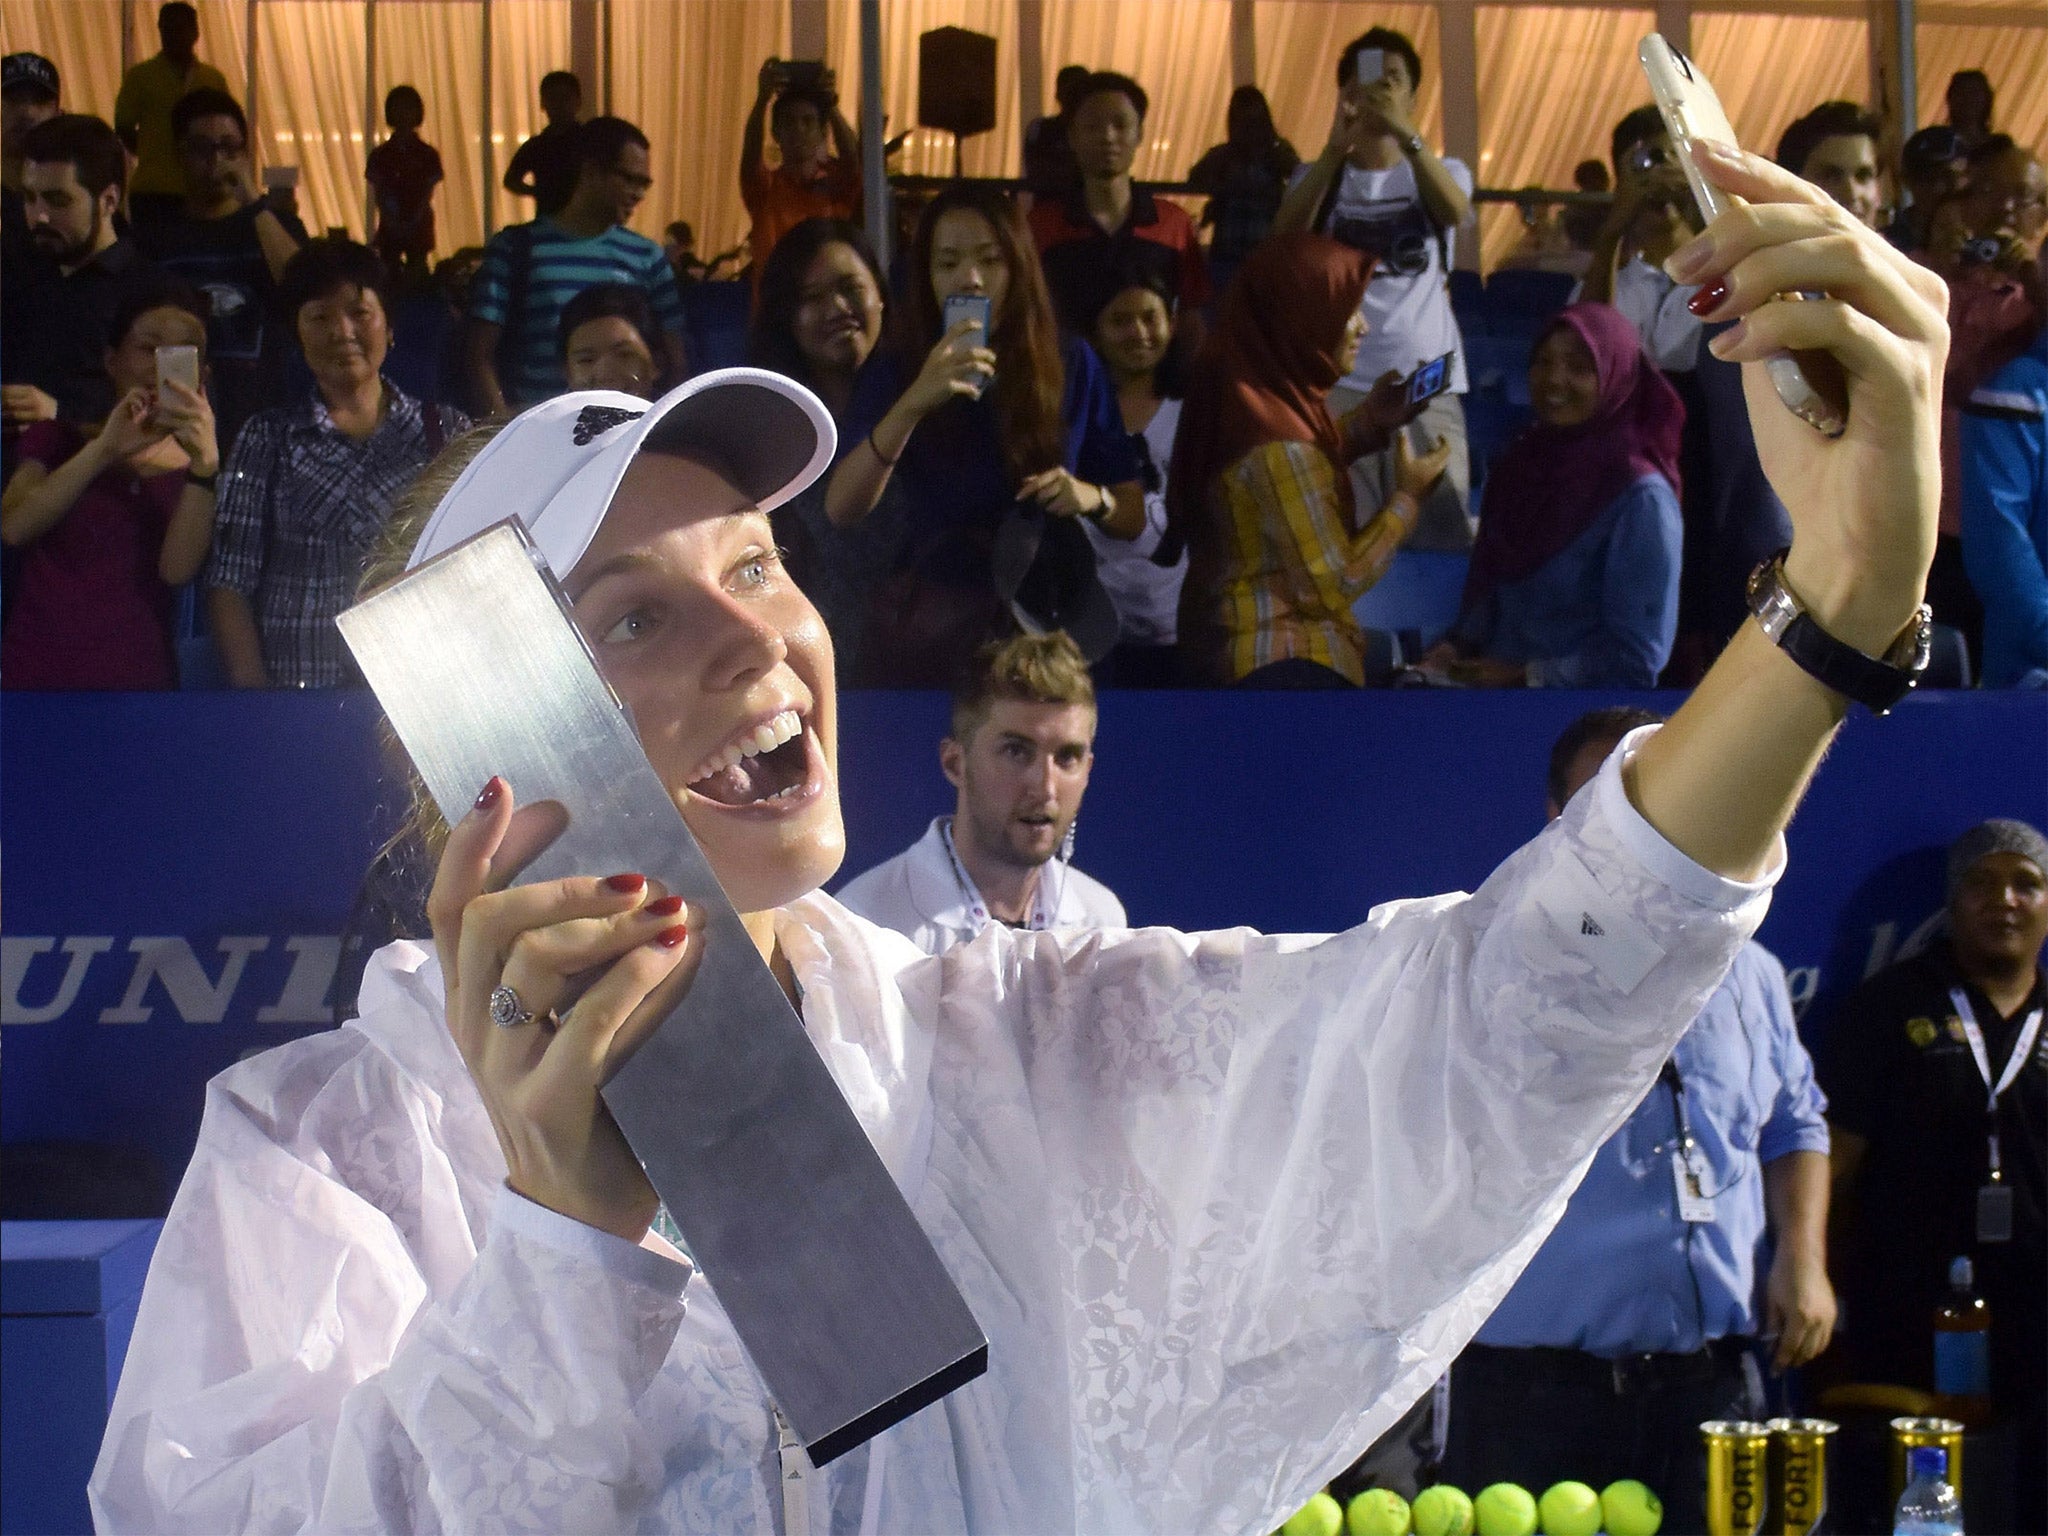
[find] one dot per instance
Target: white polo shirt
(926, 894)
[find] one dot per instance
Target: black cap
(28, 72)
(1044, 568)
(1930, 148)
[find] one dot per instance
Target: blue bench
(68, 1296)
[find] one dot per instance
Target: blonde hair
(1032, 669)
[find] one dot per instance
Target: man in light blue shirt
(1636, 1319)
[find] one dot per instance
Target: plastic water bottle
(1928, 1507)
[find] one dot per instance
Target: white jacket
(1224, 1205)
(919, 894)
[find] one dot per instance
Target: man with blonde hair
(1021, 747)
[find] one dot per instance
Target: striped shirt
(557, 266)
(299, 509)
(1290, 567)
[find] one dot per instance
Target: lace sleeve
(1285, 1179)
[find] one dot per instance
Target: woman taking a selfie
(109, 524)
(1027, 416)
(1224, 1205)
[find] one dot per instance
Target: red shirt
(404, 173)
(779, 202)
(89, 609)
(1081, 260)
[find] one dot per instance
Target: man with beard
(79, 273)
(230, 243)
(1019, 754)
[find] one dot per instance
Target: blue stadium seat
(1491, 419)
(1467, 290)
(716, 317)
(1498, 364)
(1419, 592)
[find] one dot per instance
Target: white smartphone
(280, 177)
(179, 365)
(1811, 385)
(1369, 65)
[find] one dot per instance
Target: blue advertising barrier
(179, 867)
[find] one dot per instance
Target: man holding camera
(1652, 216)
(1379, 187)
(805, 120)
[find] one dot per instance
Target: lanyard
(2021, 1048)
(1042, 908)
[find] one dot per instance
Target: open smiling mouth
(772, 768)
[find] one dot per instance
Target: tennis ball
(1569, 1509)
(1443, 1511)
(1320, 1516)
(1377, 1512)
(1505, 1509)
(1630, 1509)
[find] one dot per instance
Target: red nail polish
(670, 938)
(490, 794)
(1709, 298)
(668, 906)
(625, 885)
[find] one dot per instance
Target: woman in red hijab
(1574, 579)
(1259, 488)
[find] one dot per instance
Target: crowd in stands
(1308, 452)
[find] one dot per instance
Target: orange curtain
(685, 74)
(1552, 80)
(310, 57)
(1812, 59)
(82, 38)
(434, 46)
(1536, 123)
(2016, 59)
(528, 39)
(1298, 42)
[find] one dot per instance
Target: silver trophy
(834, 1289)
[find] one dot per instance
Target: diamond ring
(507, 1010)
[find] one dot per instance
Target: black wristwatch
(1877, 683)
(204, 482)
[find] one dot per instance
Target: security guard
(1936, 1070)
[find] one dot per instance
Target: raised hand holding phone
(1811, 387)
(1863, 502)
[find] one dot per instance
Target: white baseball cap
(557, 466)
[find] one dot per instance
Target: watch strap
(1875, 683)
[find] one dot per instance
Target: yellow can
(1738, 1476)
(1799, 1474)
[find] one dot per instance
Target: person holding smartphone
(1379, 187)
(1024, 415)
(1258, 488)
(108, 521)
(819, 177)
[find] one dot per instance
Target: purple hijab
(1549, 485)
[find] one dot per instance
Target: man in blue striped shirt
(531, 271)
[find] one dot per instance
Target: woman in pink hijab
(1574, 579)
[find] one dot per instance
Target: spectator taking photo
(1379, 187)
